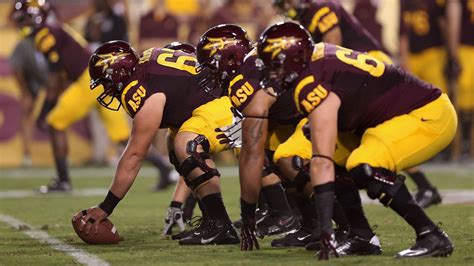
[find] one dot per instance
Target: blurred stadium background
(145, 23)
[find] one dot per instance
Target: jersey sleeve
(133, 97)
(242, 91)
(46, 42)
(244, 85)
(309, 94)
(324, 18)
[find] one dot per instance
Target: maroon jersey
(172, 73)
(419, 20)
(321, 17)
(467, 26)
(64, 49)
(243, 87)
(370, 91)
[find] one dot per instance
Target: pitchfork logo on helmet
(275, 46)
(111, 65)
(216, 44)
(220, 52)
(105, 60)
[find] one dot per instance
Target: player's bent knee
(381, 184)
(296, 170)
(195, 160)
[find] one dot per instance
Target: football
(106, 235)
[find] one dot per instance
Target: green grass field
(139, 218)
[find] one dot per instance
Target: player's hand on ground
(328, 246)
(232, 134)
(174, 216)
(90, 219)
(247, 234)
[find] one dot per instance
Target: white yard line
(79, 255)
(88, 192)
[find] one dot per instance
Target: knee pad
(381, 184)
(303, 177)
(197, 160)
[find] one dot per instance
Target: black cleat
(359, 246)
(427, 196)
(300, 238)
(434, 243)
(195, 224)
(56, 186)
(214, 232)
(277, 225)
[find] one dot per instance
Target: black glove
(452, 69)
(324, 202)
(247, 232)
(328, 246)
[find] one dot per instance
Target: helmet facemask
(276, 79)
(213, 78)
(110, 97)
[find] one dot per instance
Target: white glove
(174, 216)
(232, 134)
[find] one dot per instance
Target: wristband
(324, 197)
(109, 203)
(247, 209)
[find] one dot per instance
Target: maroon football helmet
(30, 14)
(284, 50)
(179, 46)
(291, 8)
(220, 52)
(111, 66)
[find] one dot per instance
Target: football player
(285, 139)
(380, 114)
(163, 88)
(328, 21)
(66, 56)
(280, 219)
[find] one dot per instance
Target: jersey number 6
(363, 62)
(178, 62)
